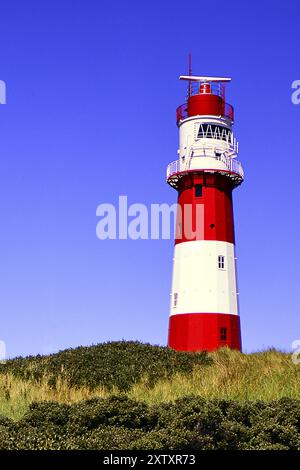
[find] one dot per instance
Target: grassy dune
(16, 394)
(268, 375)
(162, 376)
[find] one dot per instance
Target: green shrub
(104, 438)
(46, 413)
(187, 424)
(113, 411)
(115, 364)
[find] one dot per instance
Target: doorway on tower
(198, 190)
(223, 334)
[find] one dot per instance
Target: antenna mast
(190, 73)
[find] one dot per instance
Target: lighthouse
(204, 312)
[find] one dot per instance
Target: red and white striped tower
(204, 299)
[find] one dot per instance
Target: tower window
(221, 262)
(175, 299)
(214, 131)
(198, 190)
(223, 334)
(179, 230)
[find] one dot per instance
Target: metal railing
(216, 88)
(232, 165)
(224, 109)
(173, 168)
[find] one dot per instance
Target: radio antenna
(190, 73)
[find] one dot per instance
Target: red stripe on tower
(204, 299)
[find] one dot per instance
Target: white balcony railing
(215, 136)
(221, 163)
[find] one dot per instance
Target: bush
(115, 364)
(46, 413)
(187, 424)
(113, 411)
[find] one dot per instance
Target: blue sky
(92, 89)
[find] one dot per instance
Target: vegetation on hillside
(128, 395)
(191, 423)
(110, 365)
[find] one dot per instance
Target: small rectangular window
(179, 230)
(198, 190)
(175, 299)
(221, 262)
(223, 334)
